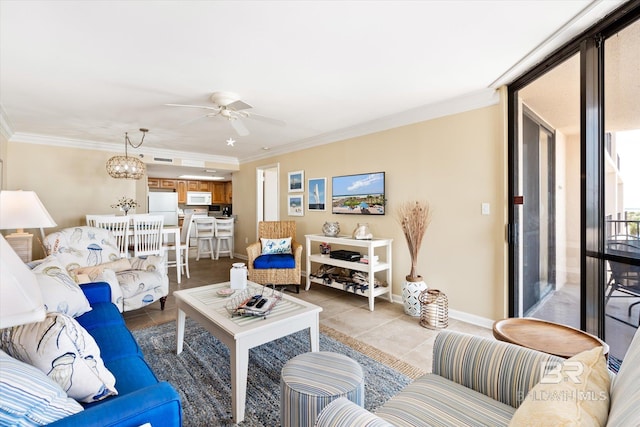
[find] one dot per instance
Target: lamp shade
(23, 209)
(20, 297)
(126, 167)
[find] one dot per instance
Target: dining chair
(147, 235)
(205, 233)
(119, 227)
(624, 278)
(224, 234)
(91, 219)
(184, 245)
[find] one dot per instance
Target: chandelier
(125, 166)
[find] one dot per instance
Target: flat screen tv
(361, 194)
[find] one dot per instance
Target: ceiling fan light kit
(125, 167)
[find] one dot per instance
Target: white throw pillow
(105, 275)
(29, 397)
(574, 394)
(60, 293)
(276, 246)
(61, 348)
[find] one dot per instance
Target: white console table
(314, 240)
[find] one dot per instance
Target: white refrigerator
(165, 204)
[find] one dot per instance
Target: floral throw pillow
(276, 246)
(61, 348)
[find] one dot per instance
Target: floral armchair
(91, 254)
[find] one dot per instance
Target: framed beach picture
(296, 181)
(362, 194)
(296, 205)
(317, 200)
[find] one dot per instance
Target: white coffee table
(239, 334)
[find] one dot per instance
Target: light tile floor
(387, 328)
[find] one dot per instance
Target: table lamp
(20, 210)
(21, 300)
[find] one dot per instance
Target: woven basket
(434, 309)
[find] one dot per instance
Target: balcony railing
(623, 229)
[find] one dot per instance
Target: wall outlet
(246, 240)
(486, 208)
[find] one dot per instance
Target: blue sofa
(141, 397)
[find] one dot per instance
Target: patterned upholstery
(310, 381)
(499, 370)
(625, 390)
(474, 382)
(144, 283)
(342, 412)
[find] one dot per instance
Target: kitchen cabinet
(228, 194)
(181, 187)
(168, 184)
(221, 192)
(218, 192)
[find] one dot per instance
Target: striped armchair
(482, 382)
(475, 381)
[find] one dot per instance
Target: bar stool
(224, 233)
(205, 233)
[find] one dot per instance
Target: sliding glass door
(546, 196)
(621, 155)
(574, 166)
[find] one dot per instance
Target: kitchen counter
(220, 216)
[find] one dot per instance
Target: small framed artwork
(317, 194)
(296, 181)
(296, 205)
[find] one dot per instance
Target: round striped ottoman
(310, 381)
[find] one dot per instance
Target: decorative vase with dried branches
(414, 218)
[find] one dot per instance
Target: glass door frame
(590, 46)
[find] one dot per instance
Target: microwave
(198, 198)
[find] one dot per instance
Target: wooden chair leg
(162, 301)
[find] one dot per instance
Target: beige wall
(70, 182)
(456, 162)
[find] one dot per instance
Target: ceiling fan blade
(197, 118)
(206, 107)
(238, 105)
(239, 127)
(266, 119)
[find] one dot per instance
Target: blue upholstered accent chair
(268, 261)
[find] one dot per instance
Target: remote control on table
(253, 300)
(261, 303)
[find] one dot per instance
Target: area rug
(201, 373)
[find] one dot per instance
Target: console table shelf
(383, 265)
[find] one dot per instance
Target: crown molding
(101, 146)
(471, 101)
(591, 14)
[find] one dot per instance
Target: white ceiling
(86, 72)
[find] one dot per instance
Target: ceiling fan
(229, 106)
